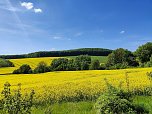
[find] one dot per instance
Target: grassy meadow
(87, 107)
(102, 59)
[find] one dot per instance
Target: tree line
(74, 52)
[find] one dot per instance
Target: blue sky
(39, 25)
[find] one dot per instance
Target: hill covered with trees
(73, 52)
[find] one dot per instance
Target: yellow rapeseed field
(30, 61)
(72, 84)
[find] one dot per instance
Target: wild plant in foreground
(117, 101)
(16, 103)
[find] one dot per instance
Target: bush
(15, 103)
(42, 68)
(117, 101)
(95, 65)
(6, 63)
(112, 104)
(24, 69)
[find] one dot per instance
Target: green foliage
(119, 66)
(82, 62)
(144, 101)
(112, 104)
(70, 65)
(147, 91)
(42, 68)
(148, 64)
(6, 63)
(16, 103)
(117, 101)
(59, 64)
(95, 65)
(102, 66)
(24, 69)
(82, 107)
(144, 52)
(121, 58)
(48, 110)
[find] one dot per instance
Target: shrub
(42, 68)
(6, 63)
(117, 101)
(24, 69)
(112, 104)
(95, 65)
(16, 103)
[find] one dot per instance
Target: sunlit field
(71, 85)
(30, 61)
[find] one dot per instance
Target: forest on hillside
(73, 52)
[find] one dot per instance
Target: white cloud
(122, 32)
(30, 6)
(27, 5)
(37, 10)
(57, 37)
